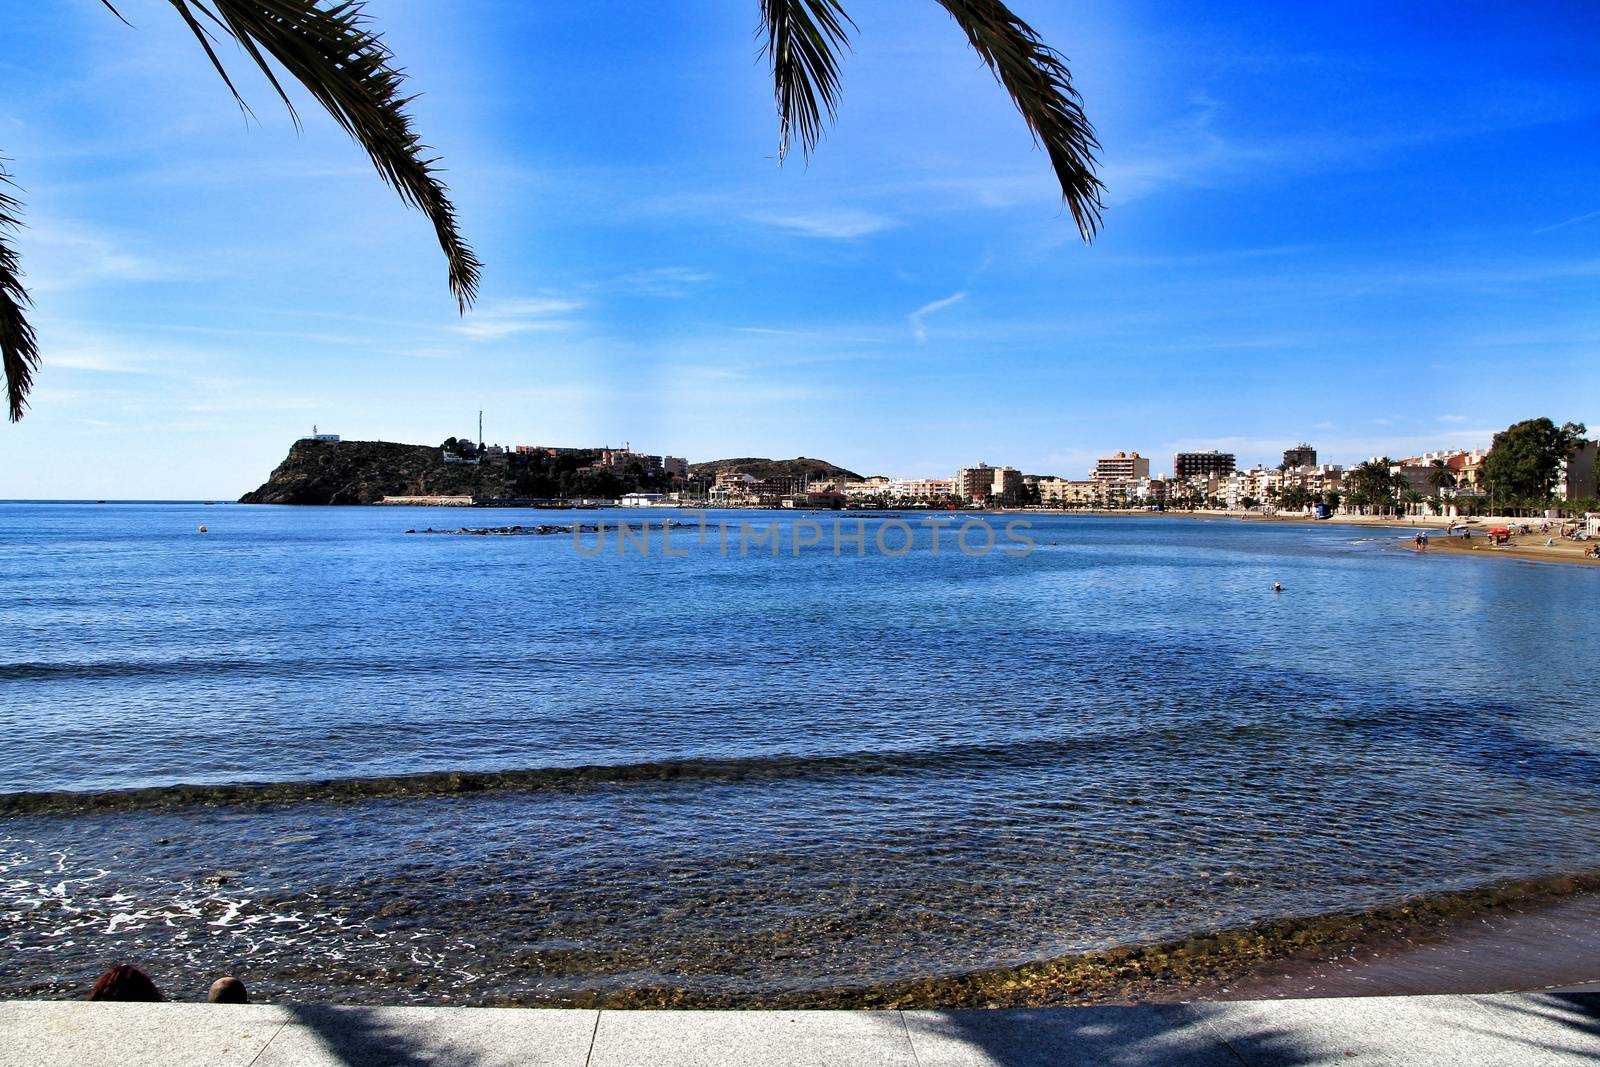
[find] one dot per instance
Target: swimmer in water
(1277, 587)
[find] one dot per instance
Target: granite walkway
(1524, 1029)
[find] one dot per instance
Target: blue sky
(1374, 226)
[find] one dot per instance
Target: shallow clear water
(828, 771)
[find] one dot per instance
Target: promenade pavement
(1523, 1029)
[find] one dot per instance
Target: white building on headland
(314, 435)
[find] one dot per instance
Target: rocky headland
(364, 472)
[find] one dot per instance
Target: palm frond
(113, 9)
(1040, 85)
(327, 47)
(803, 38)
(18, 351)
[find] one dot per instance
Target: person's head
(228, 991)
(125, 982)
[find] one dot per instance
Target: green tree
(1440, 477)
(1399, 486)
(1296, 498)
(1370, 485)
(328, 46)
(1525, 458)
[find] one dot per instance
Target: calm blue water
(829, 771)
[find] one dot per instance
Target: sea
(797, 761)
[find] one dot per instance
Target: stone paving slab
(1532, 1029)
(1419, 1031)
(1164, 1035)
(76, 1034)
(1558, 1025)
(410, 1037)
(767, 1038)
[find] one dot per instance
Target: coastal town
(1532, 490)
(1444, 483)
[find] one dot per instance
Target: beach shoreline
(1529, 548)
(1541, 933)
(1521, 936)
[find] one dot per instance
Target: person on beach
(125, 982)
(228, 990)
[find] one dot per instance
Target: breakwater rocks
(544, 530)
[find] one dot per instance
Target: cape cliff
(363, 472)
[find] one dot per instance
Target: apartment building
(1259, 484)
(984, 484)
(1301, 455)
(1186, 465)
(1466, 465)
(973, 484)
(1067, 493)
(1122, 467)
(920, 488)
(1576, 478)
(610, 459)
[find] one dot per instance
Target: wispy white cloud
(507, 318)
(74, 348)
(1585, 217)
(839, 224)
(90, 360)
(62, 255)
(1452, 418)
(666, 282)
(918, 318)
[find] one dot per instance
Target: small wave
(1026, 752)
(122, 670)
(1491, 743)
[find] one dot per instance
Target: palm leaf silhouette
(328, 47)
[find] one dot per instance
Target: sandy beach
(1533, 547)
(1530, 547)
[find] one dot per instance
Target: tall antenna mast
(480, 429)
